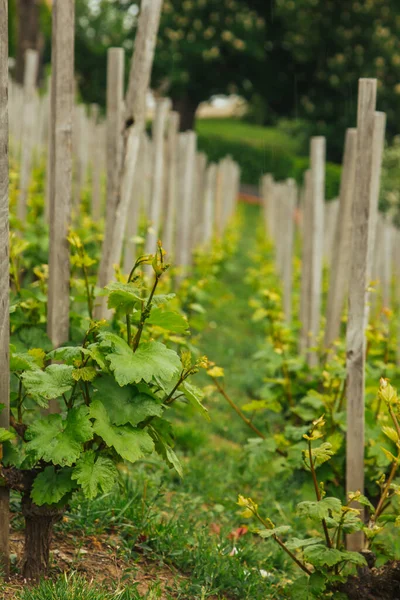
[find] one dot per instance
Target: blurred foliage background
(295, 62)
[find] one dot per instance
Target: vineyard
(198, 384)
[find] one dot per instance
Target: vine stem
(283, 545)
(145, 314)
(318, 493)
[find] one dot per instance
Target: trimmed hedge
(256, 160)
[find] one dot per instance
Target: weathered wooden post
(62, 98)
(317, 242)
(172, 188)
(358, 294)
(340, 267)
(305, 263)
(160, 121)
(209, 204)
(134, 121)
(28, 130)
(184, 226)
(96, 163)
(4, 277)
(290, 202)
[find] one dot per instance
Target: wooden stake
(209, 204)
(172, 191)
(305, 263)
(29, 118)
(340, 267)
(4, 278)
(184, 230)
(134, 121)
(287, 259)
(317, 242)
(160, 121)
(358, 295)
(62, 98)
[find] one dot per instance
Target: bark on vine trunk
(39, 521)
(186, 107)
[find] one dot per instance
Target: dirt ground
(97, 559)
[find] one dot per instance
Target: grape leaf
(95, 474)
(84, 374)
(60, 441)
(124, 404)
(6, 435)
(130, 443)
(48, 384)
(320, 555)
(321, 509)
(150, 359)
(308, 588)
(172, 321)
(122, 296)
(195, 395)
(163, 448)
(50, 486)
(296, 543)
(267, 533)
(68, 354)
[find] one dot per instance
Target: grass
(247, 133)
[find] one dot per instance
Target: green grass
(247, 133)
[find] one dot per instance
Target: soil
(381, 583)
(97, 559)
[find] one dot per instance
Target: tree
(317, 51)
(207, 47)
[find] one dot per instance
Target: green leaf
(320, 555)
(50, 486)
(172, 321)
(150, 359)
(130, 443)
(32, 337)
(125, 404)
(6, 435)
(95, 474)
(322, 453)
(84, 374)
(353, 557)
(160, 299)
(22, 362)
(308, 588)
(321, 509)
(390, 433)
(194, 395)
(267, 533)
(68, 354)
(297, 543)
(163, 448)
(48, 384)
(60, 441)
(123, 296)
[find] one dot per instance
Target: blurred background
(255, 78)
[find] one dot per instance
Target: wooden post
(267, 183)
(378, 147)
(160, 120)
(62, 98)
(198, 203)
(340, 267)
(209, 204)
(290, 202)
(172, 190)
(358, 295)
(330, 220)
(184, 229)
(29, 120)
(96, 165)
(305, 263)
(4, 277)
(317, 242)
(134, 121)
